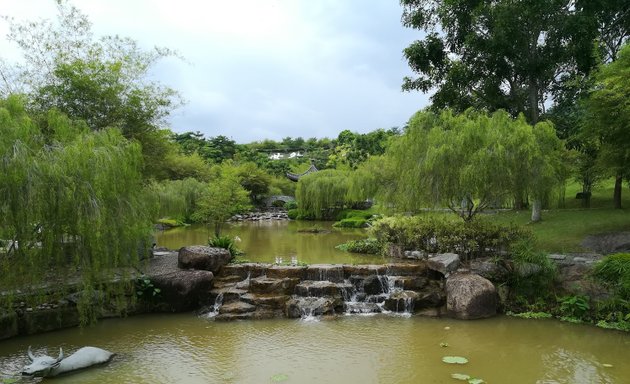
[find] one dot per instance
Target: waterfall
(218, 302)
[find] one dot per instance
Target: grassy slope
(562, 230)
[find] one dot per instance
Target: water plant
(454, 360)
(145, 288)
(573, 307)
(225, 242)
(368, 246)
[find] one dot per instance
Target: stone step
(309, 288)
(236, 307)
(244, 270)
(284, 286)
(229, 293)
(266, 300)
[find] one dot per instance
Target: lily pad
(607, 365)
(443, 345)
(460, 376)
(475, 381)
(454, 360)
(279, 377)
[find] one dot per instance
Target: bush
(293, 214)
(291, 204)
(225, 242)
(470, 239)
(354, 213)
(278, 204)
(614, 272)
(353, 222)
(533, 273)
(369, 246)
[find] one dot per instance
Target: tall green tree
(102, 81)
(470, 161)
(321, 193)
(71, 200)
(505, 54)
(222, 198)
(608, 118)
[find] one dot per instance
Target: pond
(263, 241)
(182, 348)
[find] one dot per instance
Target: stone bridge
(270, 200)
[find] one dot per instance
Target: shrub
(354, 213)
(291, 204)
(293, 214)
(614, 272)
(470, 239)
(533, 273)
(353, 222)
(369, 246)
(278, 204)
(225, 242)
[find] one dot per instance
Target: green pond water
(183, 348)
(265, 240)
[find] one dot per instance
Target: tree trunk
(536, 210)
(617, 194)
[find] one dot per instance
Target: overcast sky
(259, 69)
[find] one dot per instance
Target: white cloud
(260, 69)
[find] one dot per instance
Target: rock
(406, 269)
(276, 302)
(445, 263)
(470, 296)
(310, 306)
(323, 288)
(375, 285)
(182, 290)
(282, 271)
(327, 272)
(403, 301)
(284, 286)
(8, 325)
(430, 299)
(32, 322)
(245, 270)
(364, 270)
(236, 307)
(489, 269)
(413, 283)
(203, 257)
(396, 251)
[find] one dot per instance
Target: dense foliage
(71, 200)
(430, 234)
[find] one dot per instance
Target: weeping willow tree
(71, 206)
(320, 193)
(470, 161)
(177, 199)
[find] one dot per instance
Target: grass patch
(563, 230)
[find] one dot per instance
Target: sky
(263, 69)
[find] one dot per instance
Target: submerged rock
(470, 296)
(311, 306)
(203, 257)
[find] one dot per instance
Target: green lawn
(562, 230)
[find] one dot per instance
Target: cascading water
(218, 302)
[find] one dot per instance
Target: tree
(103, 82)
(222, 198)
(321, 193)
(510, 55)
(70, 199)
(470, 161)
(608, 118)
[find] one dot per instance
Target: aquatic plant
(368, 246)
(225, 242)
(454, 360)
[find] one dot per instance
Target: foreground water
(263, 241)
(185, 349)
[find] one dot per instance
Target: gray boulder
(203, 257)
(470, 296)
(445, 263)
(181, 290)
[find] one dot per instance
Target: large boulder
(181, 290)
(470, 296)
(375, 285)
(203, 257)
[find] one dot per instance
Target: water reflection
(265, 240)
(351, 349)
